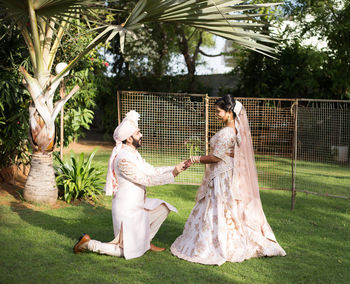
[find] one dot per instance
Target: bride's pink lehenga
(228, 222)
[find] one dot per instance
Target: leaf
(216, 17)
(81, 179)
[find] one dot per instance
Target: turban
(125, 129)
(128, 127)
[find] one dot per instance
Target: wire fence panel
(299, 144)
(271, 123)
(173, 128)
(323, 164)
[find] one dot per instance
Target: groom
(136, 218)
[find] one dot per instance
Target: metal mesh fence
(173, 128)
(298, 144)
(271, 123)
(323, 135)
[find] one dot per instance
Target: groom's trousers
(156, 217)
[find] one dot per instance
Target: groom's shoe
(78, 247)
(154, 248)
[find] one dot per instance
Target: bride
(228, 222)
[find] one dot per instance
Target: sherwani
(130, 206)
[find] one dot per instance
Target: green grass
(36, 245)
(323, 178)
(275, 172)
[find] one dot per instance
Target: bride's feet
(154, 248)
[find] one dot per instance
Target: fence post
(295, 151)
(206, 99)
(118, 106)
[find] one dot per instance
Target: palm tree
(43, 24)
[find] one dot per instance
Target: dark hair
(227, 103)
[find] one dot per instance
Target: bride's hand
(195, 159)
(231, 153)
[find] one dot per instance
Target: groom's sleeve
(156, 170)
(129, 171)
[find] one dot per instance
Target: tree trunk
(190, 59)
(41, 183)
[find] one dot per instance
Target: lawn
(36, 243)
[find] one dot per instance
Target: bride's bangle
(195, 159)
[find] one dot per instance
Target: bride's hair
(227, 103)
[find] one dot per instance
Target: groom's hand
(180, 168)
(188, 163)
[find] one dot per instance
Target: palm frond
(236, 20)
(50, 8)
(18, 11)
(225, 18)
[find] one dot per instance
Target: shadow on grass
(15, 190)
(68, 225)
(50, 250)
(314, 235)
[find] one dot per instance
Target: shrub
(14, 99)
(77, 178)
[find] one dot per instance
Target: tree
(298, 73)
(189, 42)
(147, 52)
(337, 34)
(88, 74)
(329, 20)
(303, 70)
(43, 24)
(14, 98)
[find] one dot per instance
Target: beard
(136, 143)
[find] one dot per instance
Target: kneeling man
(136, 218)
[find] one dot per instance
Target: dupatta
(247, 177)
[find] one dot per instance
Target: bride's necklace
(229, 120)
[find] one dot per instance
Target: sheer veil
(247, 176)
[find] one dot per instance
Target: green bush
(14, 99)
(77, 178)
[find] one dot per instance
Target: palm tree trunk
(41, 183)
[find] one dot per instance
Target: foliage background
(301, 71)
(14, 99)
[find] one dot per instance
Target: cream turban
(125, 129)
(128, 126)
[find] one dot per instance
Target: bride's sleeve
(223, 145)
